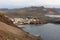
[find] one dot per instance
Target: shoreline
(7, 26)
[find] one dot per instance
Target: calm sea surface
(46, 31)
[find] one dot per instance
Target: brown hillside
(29, 11)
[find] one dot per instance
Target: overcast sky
(26, 3)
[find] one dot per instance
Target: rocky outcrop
(6, 20)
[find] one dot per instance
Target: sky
(27, 3)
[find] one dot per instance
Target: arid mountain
(29, 11)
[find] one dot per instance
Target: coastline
(10, 28)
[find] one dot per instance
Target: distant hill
(29, 11)
(57, 9)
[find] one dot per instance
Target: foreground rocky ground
(9, 31)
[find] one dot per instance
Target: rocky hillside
(6, 20)
(8, 31)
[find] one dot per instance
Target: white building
(22, 21)
(31, 20)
